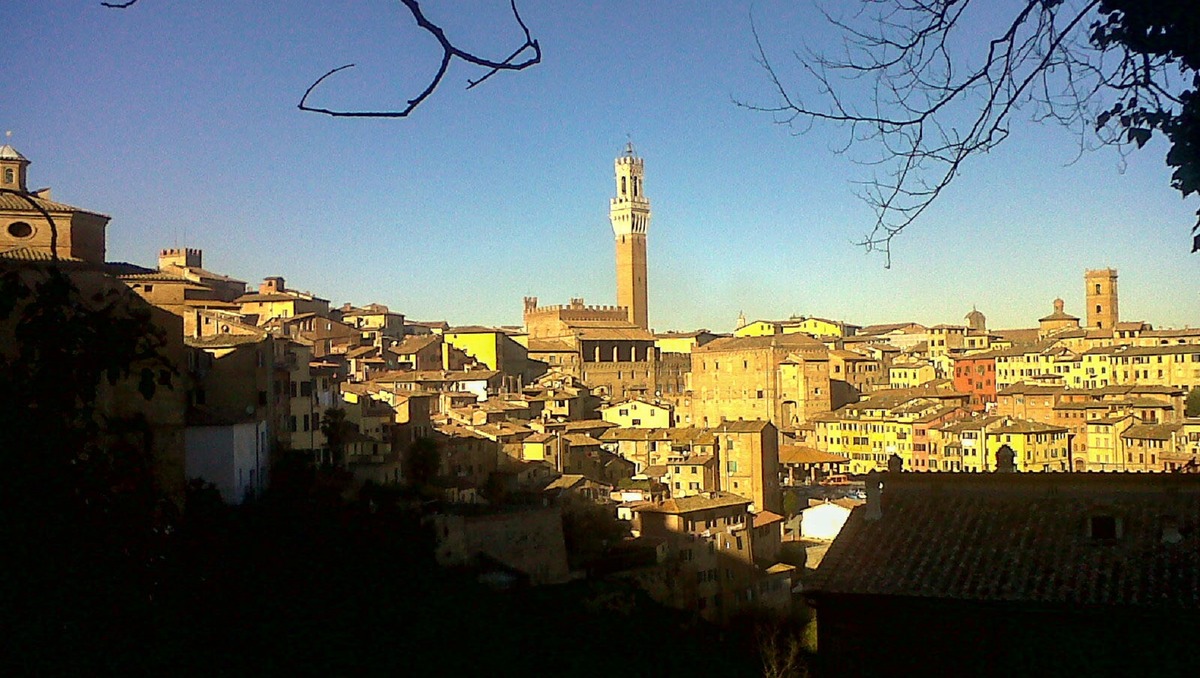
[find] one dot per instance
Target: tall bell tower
(629, 213)
(1101, 295)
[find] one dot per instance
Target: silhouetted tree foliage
(791, 503)
(1193, 403)
(421, 463)
(83, 522)
(589, 530)
(924, 88)
(335, 428)
(101, 574)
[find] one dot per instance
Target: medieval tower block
(1101, 295)
(629, 213)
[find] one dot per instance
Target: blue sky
(178, 119)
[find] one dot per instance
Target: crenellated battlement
(182, 257)
(574, 311)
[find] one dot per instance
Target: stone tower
(12, 169)
(976, 321)
(1101, 295)
(629, 213)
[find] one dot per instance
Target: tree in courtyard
(336, 430)
(1193, 402)
(791, 504)
(422, 461)
(925, 85)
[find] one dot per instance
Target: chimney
(874, 510)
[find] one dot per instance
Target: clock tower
(629, 213)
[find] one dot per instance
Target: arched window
(622, 186)
(9, 175)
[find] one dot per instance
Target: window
(306, 422)
(20, 229)
(731, 467)
(10, 177)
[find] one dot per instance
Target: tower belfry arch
(629, 213)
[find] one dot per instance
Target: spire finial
(629, 145)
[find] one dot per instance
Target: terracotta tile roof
(9, 201)
(588, 425)
(795, 341)
(1151, 431)
(1023, 537)
(435, 375)
(683, 435)
(1019, 336)
(657, 471)
(564, 482)
(764, 518)
(30, 254)
(1024, 426)
(223, 340)
(614, 333)
(802, 454)
(415, 343)
(889, 327)
(549, 346)
(1058, 315)
(749, 426)
(698, 502)
(1022, 388)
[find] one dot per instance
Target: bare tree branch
(449, 52)
(515, 61)
(41, 210)
(902, 87)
